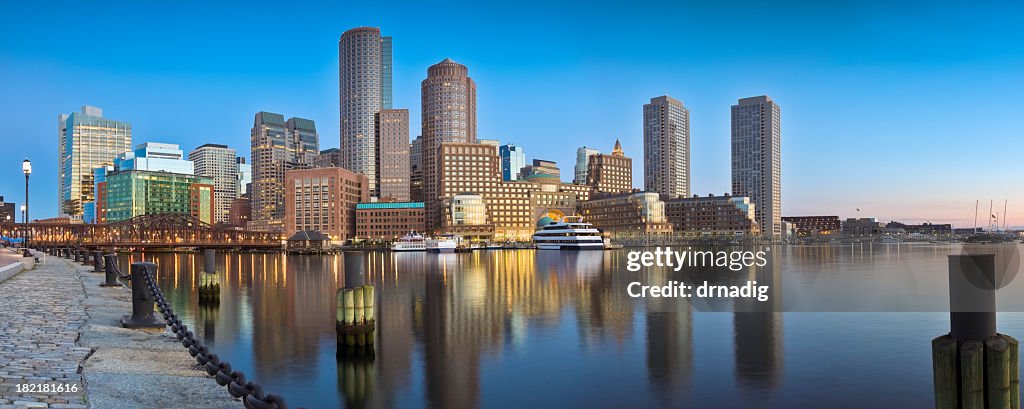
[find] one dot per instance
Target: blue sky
(906, 110)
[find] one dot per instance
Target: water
(557, 329)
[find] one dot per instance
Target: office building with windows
(86, 140)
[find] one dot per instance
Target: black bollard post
(111, 270)
(142, 300)
(77, 255)
(85, 256)
(354, 274)
(97, 262)
(972, 297)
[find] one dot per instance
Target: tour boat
(445, 243)
(569, 233)
(410, 242)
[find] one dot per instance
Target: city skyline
(897, 132)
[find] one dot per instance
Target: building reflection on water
(441, 319)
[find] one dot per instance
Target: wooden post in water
(973, 366)
(209, 281)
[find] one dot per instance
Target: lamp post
(26, 167)
(23, 224)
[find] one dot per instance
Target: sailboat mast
(1004, 215)
(990, 215)
(975, 216)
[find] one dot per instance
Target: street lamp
(26, 167)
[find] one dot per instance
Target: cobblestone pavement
(41, 314)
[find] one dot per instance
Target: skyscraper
(583, 164)
(448, 97)
(757, 159)
(513, 159)
(364, 79)
(277, 146)
(416, 169)
(85, 141)
(667, 147)
(218, 162)
(392, 129)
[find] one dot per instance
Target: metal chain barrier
(251, 394)
(117, 270)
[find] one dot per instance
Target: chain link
(251, 394)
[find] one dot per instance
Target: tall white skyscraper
(667, 147)
(583, 164)
(757, 159)
(218, 162)
(364, 79)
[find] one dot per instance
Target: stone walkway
(58, 326)
(41, 314)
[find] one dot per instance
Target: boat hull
(570, 246)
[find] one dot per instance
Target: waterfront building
(328, 158)
(364, 78)
(277, 147)
(85, 140)
(542, 169)
(512, 208)
(610, 173)
(815, 224)
(627, 215)
(513, 159)
(244, 176)
(583, 164)
(466, 215)
(220, 163)
(392, 133)
(324, 200)
(416, 169)
(130, 193)
(490, 142)
(448, 116)
(929, 229)
(240, 212)
(667, 147)
(388, 220)
(757, 159)
(863, 226)
(716, 216)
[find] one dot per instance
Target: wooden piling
(944, 370)
(340, 305)
(972, 375)
(368, 303)
(1001, 372)
(349, 306)
(360, 311)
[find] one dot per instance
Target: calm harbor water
(846, 327)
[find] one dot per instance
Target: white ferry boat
(570, 233)
(410, 242)
(445, 243)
